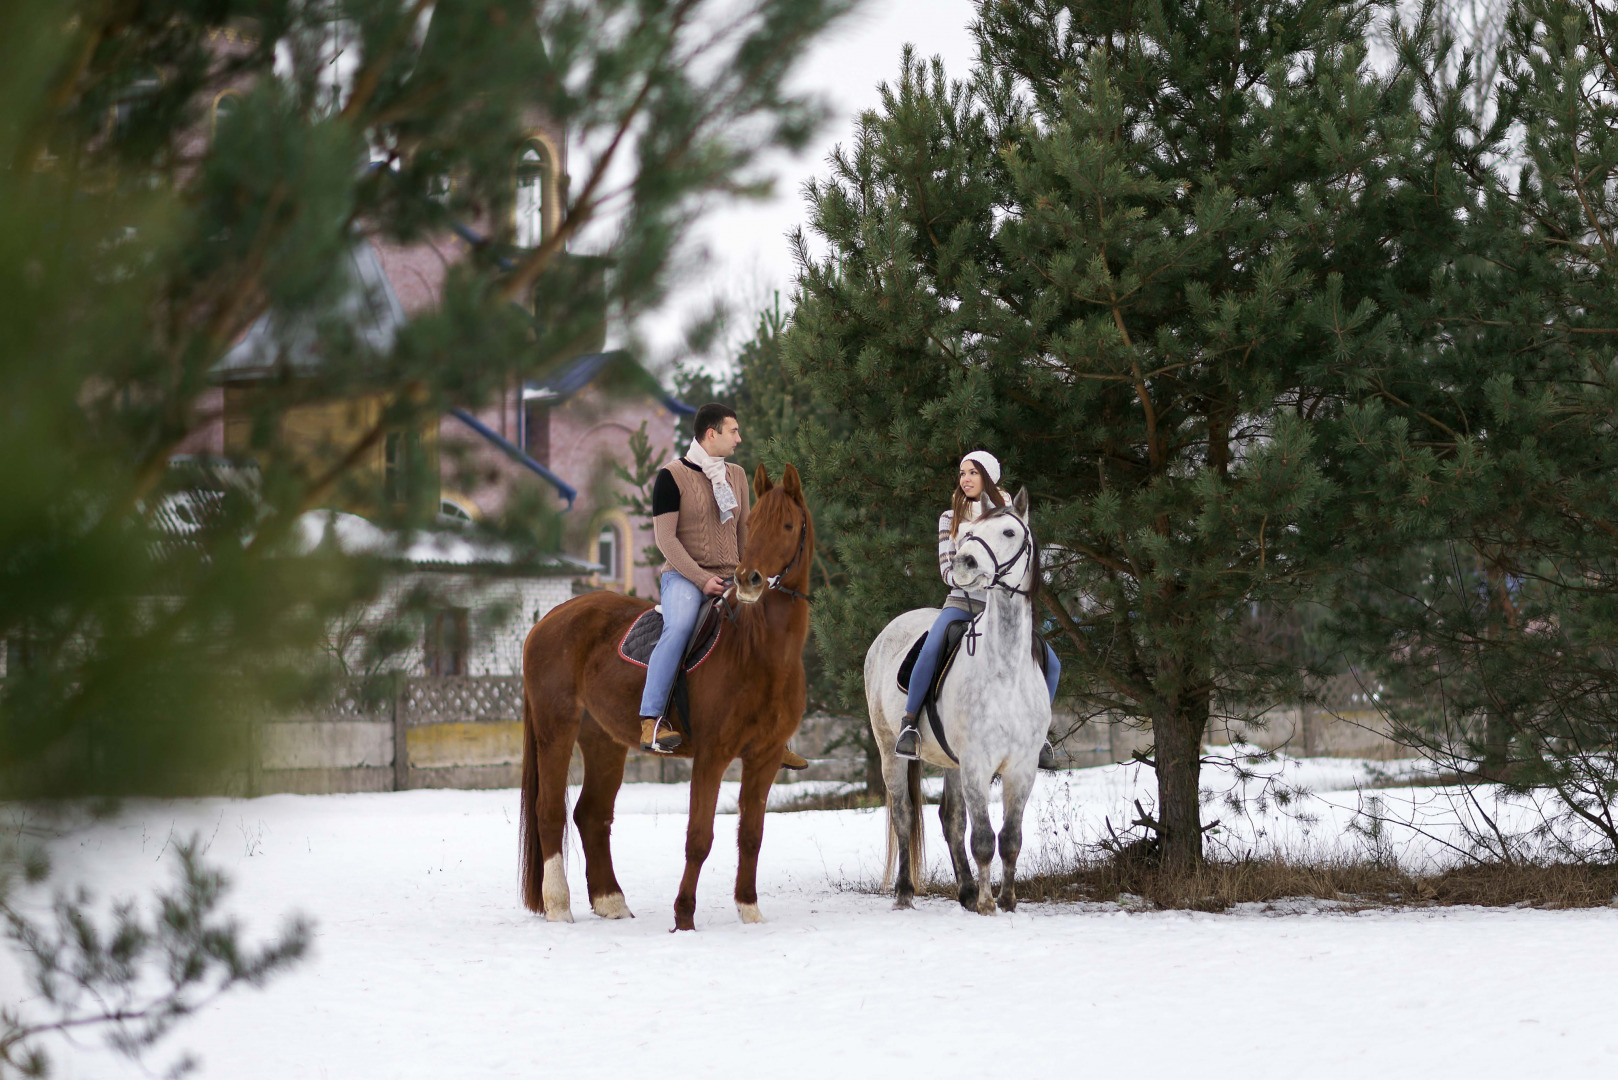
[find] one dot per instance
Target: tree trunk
(1177, 732)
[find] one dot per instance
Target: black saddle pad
(953, 634)
(643, 634)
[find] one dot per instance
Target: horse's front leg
(952, 815)
(975, 781)
(1015, 787)
(706, 772)
(758, 773)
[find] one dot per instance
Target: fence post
(401, 745)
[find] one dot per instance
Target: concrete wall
(467, 733)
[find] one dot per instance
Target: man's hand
(714, 586)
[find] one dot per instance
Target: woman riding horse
(977, 492)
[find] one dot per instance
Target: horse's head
(780, 538)
(997, 549)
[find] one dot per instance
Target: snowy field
(426, 965)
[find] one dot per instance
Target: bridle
(1002, 570)
(775, 581)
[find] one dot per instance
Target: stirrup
(1047, 757)
(908, 744)
(657, 736)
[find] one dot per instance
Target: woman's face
(971, 480)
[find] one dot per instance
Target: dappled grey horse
(994, 708)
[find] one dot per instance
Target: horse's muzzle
(968, 574)
(749, 586)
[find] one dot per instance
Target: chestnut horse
(746, 700)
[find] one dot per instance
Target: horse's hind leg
(554, 754)
(952, 814)
(975, 787)
(902, 816)
(603, 775)
(1014, 791)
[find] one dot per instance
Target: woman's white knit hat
(987, 462)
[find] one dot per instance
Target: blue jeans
(682, 603)
(927, 662)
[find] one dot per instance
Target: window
(453, 512)
(400, 455)
(536, 427)
(444, 651)
(223, 106)
(533, 181)
(609, 543)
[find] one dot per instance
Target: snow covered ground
(426, 965)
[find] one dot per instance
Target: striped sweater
(970, 600)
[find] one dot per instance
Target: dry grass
(852, 799)
(1134, 878)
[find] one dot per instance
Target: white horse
(994, 708)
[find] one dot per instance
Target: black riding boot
(908, 744)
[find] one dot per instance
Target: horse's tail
(533, 866)
(916, 839)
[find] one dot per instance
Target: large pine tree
(1148, 254)
(1493, 611)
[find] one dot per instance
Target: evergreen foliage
(1149, 255)
(1493, 607)
(142, 233)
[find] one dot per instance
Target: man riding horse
(699, 520)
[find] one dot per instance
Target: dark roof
(581, 371)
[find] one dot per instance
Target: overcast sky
(747, 251)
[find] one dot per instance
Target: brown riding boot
(658, 735)
(796, 762)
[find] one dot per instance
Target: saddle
(954, 634)
(644, 633)
(641, 638)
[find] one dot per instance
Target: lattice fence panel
(462, 699)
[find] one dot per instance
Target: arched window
(534, 169)
(223, 105)
(609, 551)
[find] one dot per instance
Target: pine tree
(1147, 255)
(1493, 611)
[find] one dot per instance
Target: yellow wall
(317, 435)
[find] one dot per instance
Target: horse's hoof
(969, 897)
(1008, 904)
(611, 906)
(904, 902)
(986, 903)
(559, 915)
(749, 913)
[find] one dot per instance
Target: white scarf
(714, 469)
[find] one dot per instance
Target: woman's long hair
(960, 502)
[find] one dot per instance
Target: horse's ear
(1019, 502)
(761, 481)
(791, 484)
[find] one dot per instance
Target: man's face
(722, 441)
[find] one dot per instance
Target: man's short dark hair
(712, 416)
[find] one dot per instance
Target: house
(555, 440)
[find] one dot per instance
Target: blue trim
(515, 454)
